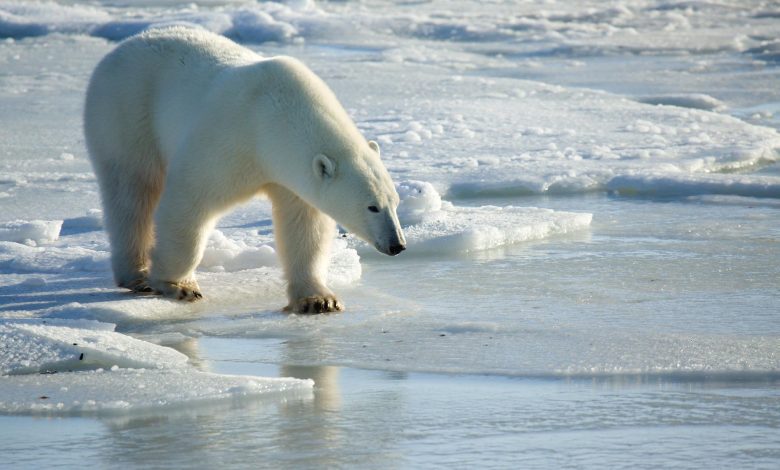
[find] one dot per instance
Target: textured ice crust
(82, 366)
(435, 226)
(118, 390)
(49, 346)
(258, 24)
(468, 229)
(693, 185)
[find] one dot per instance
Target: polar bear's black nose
(395, 249)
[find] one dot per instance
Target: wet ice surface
(669, 356)
(591, 197)
(386, 419)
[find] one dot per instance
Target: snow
(419, 199)
(258, 24)
(588, 190)
(224, 254)
(32, 232)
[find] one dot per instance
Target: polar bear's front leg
(303, 238)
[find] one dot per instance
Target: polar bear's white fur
(182, 124)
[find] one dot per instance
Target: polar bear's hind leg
(129, 198)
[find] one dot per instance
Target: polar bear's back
(197, 44)
(147, 91)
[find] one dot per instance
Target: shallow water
(575, 340)
(360, 418)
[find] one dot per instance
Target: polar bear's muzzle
(390, 239)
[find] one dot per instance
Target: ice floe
(117, 390)
(82, 366)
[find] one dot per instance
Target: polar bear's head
(356, 190)
(308, 143)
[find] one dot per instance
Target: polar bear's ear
(324, 167)
(374, 146)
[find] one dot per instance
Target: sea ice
(49, 346)
(82, 366)
(469, 229)
(117, 390)
(435, 226)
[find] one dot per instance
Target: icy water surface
(587, 337)
(379, 419)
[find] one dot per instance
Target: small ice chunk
(418, 200)
(35, 231)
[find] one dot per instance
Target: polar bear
(182, 124)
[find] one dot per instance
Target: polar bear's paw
(315, 304)
(132, 280)
(183, 290)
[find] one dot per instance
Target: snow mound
(251, 23)
(345, 268)
(32, 233)
(41, 346)
(419, 199)
(116, 390)
(225, 254)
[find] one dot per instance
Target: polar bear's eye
(373, 208)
